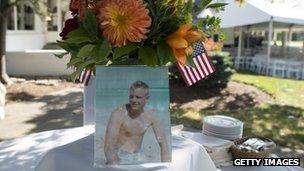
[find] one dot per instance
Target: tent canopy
(259, 11)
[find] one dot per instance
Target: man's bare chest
(136, 126)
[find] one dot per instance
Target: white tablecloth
(72, 150)
(24, 154)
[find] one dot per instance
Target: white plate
(222, 130)
(222, 135)
(227, 137)
(222, 121)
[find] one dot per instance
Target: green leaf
(61, 55)
(80, 32)
(79, 69)
(78, 40)
(74, 61)
(63, 45)
(102, 51)
(216, 5)
(190, 61)
(164, 52)
(211, 21)
(148, 55)
(124, 50)
(78, 36)
(200, 24)
(189, 6)
(74, 54)
(85, 51)
(67, 46)
(204, 3)
(90, 24)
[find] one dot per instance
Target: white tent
(259, 11)
(262, 11)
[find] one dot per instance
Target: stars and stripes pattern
(85, 77)
(202, 68)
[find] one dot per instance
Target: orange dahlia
(181, 40)
(124, 21)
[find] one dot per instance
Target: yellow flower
(181, 40)
(241, 3)
(124, 21)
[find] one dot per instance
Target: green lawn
(285, 91)
(282, 120)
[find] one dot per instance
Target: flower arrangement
(133, 32)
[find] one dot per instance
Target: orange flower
(181, 40)
(80, 6)
(124, 21)
(210, 45)
(94, 6)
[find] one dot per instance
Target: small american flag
(202, 66)
(85, 77)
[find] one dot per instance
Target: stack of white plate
(222, 127)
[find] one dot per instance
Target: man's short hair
(139, 84)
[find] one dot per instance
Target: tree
(5, 8)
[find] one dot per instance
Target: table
(72, 149)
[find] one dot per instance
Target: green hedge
(224, 69)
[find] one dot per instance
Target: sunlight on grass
(188, 118)
(285, 91)
(283, 124)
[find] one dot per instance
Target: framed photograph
(132, 120)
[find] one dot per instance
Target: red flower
(69, 25)
(78, 8)
(72, 9)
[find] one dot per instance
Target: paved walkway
(61, 109)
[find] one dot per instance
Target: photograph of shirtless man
(127, 126)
